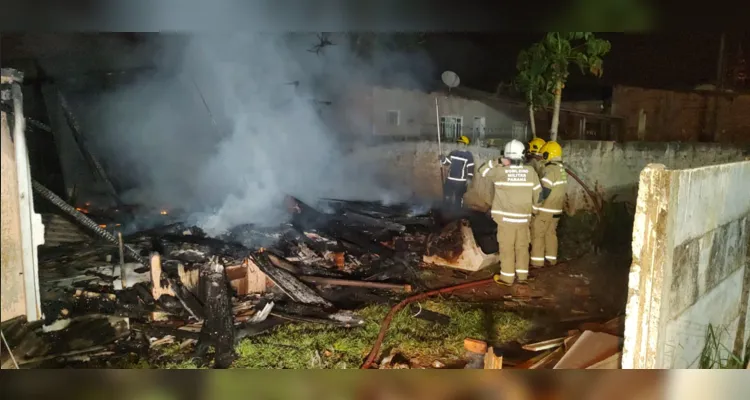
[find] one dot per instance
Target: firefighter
(534, 156)
(479, 192)
(544, 226)
(460, 164)
(516, 193)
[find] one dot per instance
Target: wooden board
(589, 349)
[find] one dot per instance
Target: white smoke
(271, 137)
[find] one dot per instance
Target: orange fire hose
(387, 320)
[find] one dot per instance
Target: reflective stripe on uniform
(506, 274)
(456, 179)
(549, 210)
(556, 183)
(527, 184)
(537, 258)
(522, 271)
(537, 187)
(459, 158)
(550, 257)
(486, 170)
(516, 220)
(469, 164)
(510, 214)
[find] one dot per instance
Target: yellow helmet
(535, 145)
(463, 139)
(551, 151)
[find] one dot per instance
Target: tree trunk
(556, 112)
(532, 122)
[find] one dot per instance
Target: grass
(316, 346)
(716, 355)
(319, 346)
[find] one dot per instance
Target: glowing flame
(83, 210)
(102, 226)
(163, 212)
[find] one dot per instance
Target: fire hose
(589, 192)
(82, 220)
(389, 317)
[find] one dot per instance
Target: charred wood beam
(218, 327)
(376, 222)
(92, 161)
(307, 218)
(363, 284)
(82, 219)
(288, 283)
(29, 121)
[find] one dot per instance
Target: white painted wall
(691, 263)
(417, 113)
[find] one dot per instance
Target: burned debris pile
(323, 263)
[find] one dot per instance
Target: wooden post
(218, 327)
(121, 248)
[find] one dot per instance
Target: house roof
(504, 103)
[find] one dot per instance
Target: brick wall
(682, 116)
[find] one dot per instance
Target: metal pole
(440, 145)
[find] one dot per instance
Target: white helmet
(514, 150)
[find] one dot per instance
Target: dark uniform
(460, 170)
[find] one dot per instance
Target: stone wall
(611, 168)
(691, 265)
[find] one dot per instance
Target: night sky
(483, 60)
(670, 60)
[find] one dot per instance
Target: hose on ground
(82, 219)
(388, 318)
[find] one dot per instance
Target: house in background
(411, 115)
(390, 113)
(702, 114)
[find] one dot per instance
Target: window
(450, 127)
(393, 118)
(518, 130)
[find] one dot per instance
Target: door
(478, 128)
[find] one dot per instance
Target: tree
(534, 80)
(561, 49)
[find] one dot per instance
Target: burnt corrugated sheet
(58, 230)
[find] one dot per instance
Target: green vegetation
(311, 346)
(716, 355)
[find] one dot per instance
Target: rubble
(200, 291)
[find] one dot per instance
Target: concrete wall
(683, 116)
(611, 168)
(13, 296)
(691, 264)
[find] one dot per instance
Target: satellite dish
(450, 79)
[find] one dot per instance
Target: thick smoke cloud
(267, 131)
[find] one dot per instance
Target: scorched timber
(287, 282)
(308, 218)
(218, 327)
